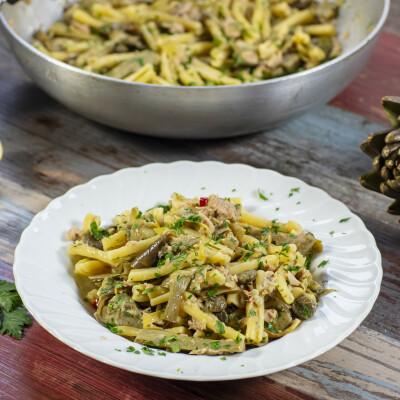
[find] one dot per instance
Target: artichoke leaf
(394, 208)
(388, 191)
(391, 105)
(371, 181)
(393, 136)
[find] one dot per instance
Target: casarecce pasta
(194, 42)
(197, 275)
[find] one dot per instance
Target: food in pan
(194, 42)
(197, 275)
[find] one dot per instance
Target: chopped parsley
(165, 208)
(252, 313)
(220, 327)
(331, 233)
(148, 290)
(269, 326)
(323, 263)
(148, 351)
(285, 249)
(344, 220)
(109, 286)
(178, 225)
(212, 292)
(223, 358)
(175, 348)
(216, 345)
(261, 196)
(306, 312)
(293, 269)
(293, 191)
(194, 218)
(273, 228)
(113, 327)
(97, 232)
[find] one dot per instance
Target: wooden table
(48, 149)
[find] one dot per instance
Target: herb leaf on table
(13, 316)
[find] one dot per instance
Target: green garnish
(175, 348)
(220, 327)
(344, 220)
(270, 327)
(178, 224)
(261, 196)
(252, 313)
(215, 345)
(148, 351)
(323, 263)
(113, 327)
(97, 232)
(194, 218)
(293, 191)
(13, 315)
(306, 312)
(165, 208)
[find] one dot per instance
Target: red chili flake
(203, 201)
(248, 288)
(96, 303)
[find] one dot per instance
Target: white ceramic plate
(44, 273)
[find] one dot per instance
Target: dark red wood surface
(381, 77)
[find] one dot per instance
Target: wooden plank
(81, 377)
(392, 25)
(318, 136)
(351, 370)
(381, 77)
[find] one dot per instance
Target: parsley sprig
(13, 316)
(97, 232)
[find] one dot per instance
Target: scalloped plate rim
(171, 375)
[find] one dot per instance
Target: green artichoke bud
(384, 148)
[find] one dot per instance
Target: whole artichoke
(384, 147)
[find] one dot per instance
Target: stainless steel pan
(192, 112)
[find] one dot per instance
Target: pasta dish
(194, 42)
(201, 275)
